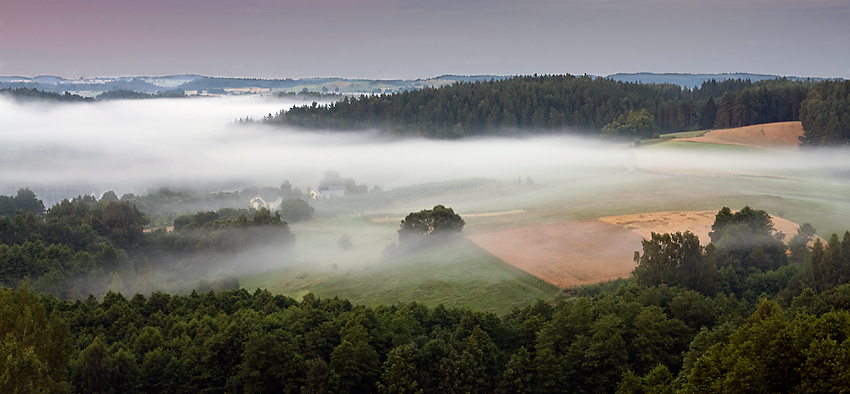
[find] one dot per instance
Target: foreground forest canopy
(743, 313)
(584, 104)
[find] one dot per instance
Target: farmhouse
(259, 201)
(330, 192)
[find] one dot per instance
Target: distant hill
(93, 86)
(25, 94)
(218, 85)
(694, 80)
(193, 83)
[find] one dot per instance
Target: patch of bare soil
(769, 135)
(566, 254)
(592, 251)
(697, 222)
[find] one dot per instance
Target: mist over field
(137, 145)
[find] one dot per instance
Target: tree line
(35, 94)
(558, 103)
(826, 114)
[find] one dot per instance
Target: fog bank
(135, 145)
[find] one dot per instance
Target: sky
(407, 39)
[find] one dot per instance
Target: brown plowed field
(566, 254)
(591, 251)
(769, 135)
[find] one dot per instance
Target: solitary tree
(429, 224)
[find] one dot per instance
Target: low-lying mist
(136, 145)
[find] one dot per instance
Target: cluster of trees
(163, 205)
(429, 224)
(766, 102)
(72, 239)
(558, 103)
(227, 230)
(333, 179)
(826, 114)
(25, 200)
(86, 246)
(746, 258)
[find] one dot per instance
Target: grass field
(453, 274)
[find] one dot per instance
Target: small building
(315, 194)
(330, 192)
(258, 201)
(333, 191)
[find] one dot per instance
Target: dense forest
(826, 114)
(559, 103)
(743, 313)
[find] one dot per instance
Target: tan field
(771, 135)
(697, 222)
(565, 254)
(591, 251)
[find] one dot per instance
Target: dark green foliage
(294, 210)
(638, 124)
(562, 103)
(429, 224)
(708, 114)
(798, 245)
(35, 94)
(226, 230)
(25, 201)
(628, 338)
(772, 353)
(676, 259)
(85, 246)
(828, 265)
(826, 114)
(34, 345)
(747, 239)
(96, 370)
(354, 361)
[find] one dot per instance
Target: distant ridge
(229, 85)
(694, 80)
